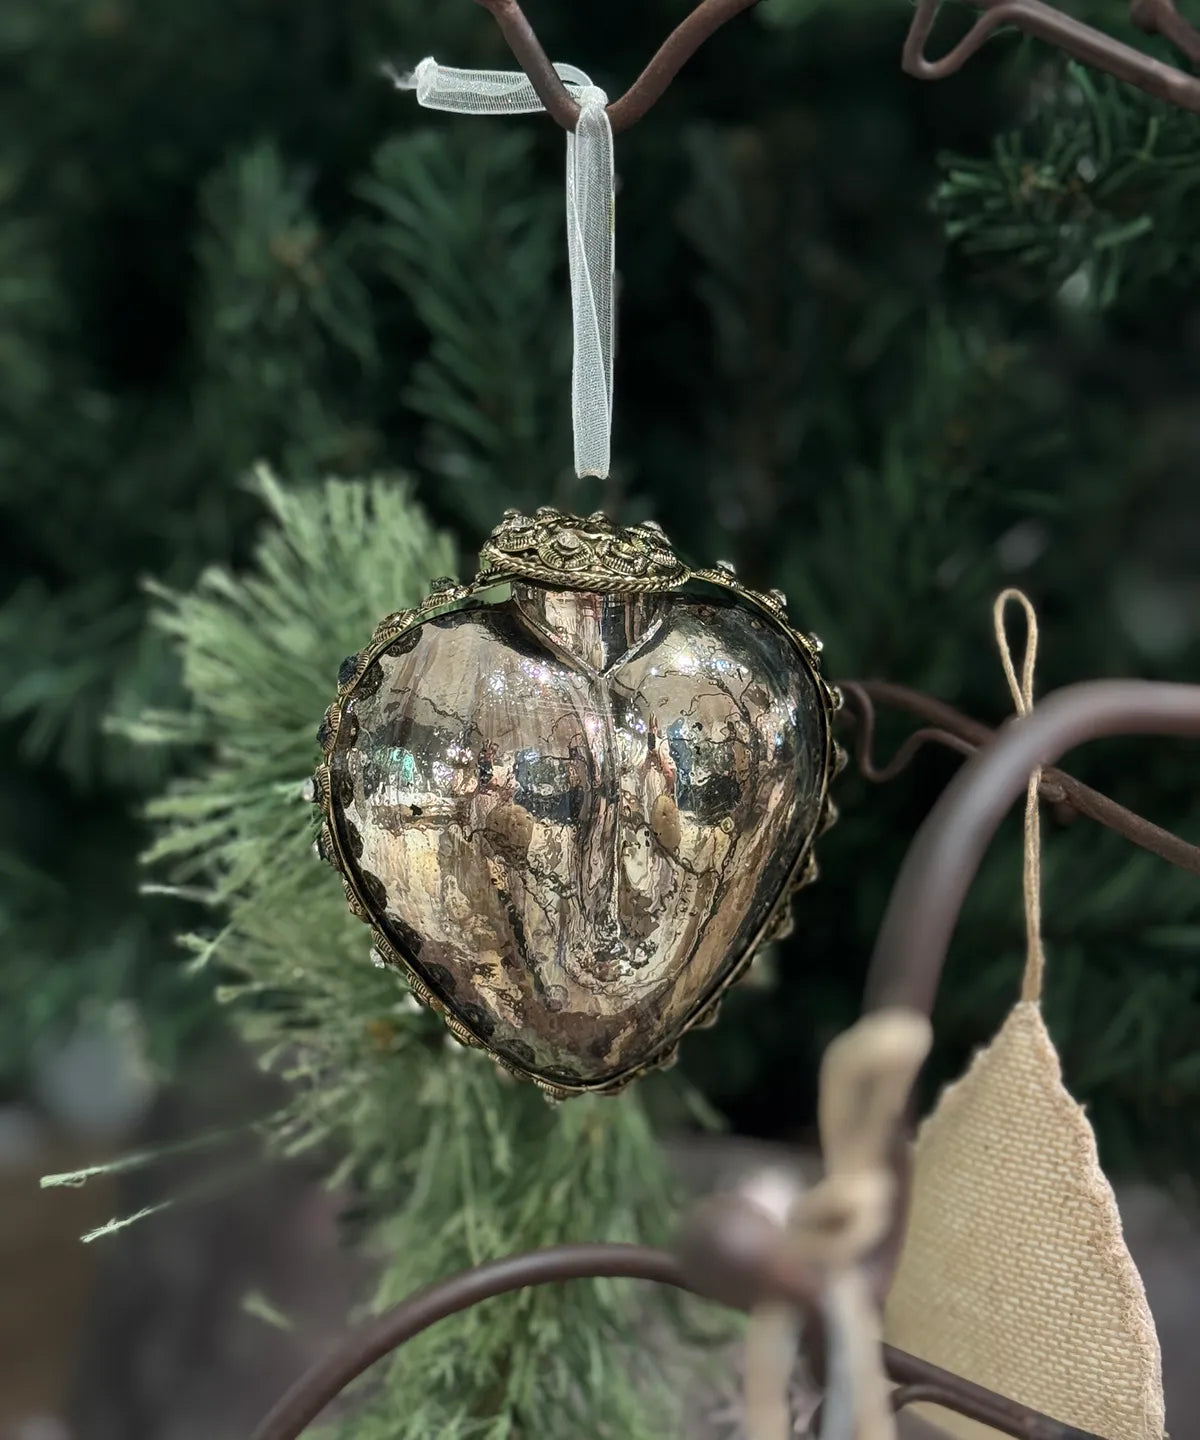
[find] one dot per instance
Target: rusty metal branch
(676, 50)
(525, 45)
(1082, 42)
(942, 860)
(926, 1384)
(385, 1334)
(951, 728)
(1160, 17)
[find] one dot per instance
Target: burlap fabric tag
(1015, 1272)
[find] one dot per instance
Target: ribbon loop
(591, 203)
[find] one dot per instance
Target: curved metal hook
(330, 1376)
(675, 51)
(1082, 42)
(379, 1337)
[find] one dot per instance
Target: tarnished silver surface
(572, 813)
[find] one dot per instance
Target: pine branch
(1096, 197)
(31, 310)
(284, 324)
(977, 444)
(450, 1162)
(473, 243)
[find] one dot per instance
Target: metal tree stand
(732, 1252)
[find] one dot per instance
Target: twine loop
(1022, 693)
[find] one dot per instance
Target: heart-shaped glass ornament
(572, 797)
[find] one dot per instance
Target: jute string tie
(1022, 693)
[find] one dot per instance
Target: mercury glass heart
(571, 813)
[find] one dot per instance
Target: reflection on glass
(580, 809)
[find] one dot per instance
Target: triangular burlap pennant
(1015, 1272)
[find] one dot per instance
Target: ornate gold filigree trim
(554, 548)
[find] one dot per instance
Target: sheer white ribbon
(590, 213)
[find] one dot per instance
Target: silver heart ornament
(574, 796)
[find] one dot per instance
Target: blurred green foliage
(1095, 195)
(884, 344)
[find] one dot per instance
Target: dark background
(889, 346)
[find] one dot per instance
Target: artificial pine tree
(885, 345)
